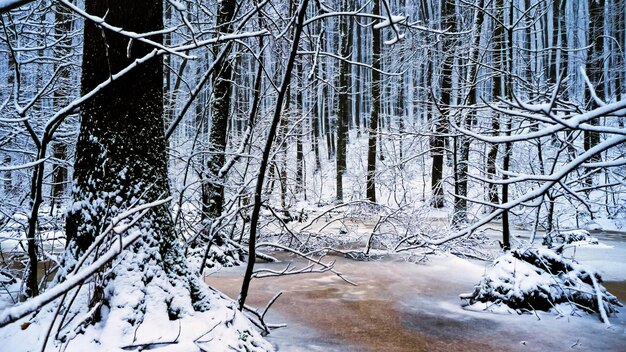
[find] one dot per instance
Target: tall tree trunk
(497, 92)
(461, 185)
(266, 153)
(63, 27)
(343, 116)
(220, 110)
(374, 112)
(400, 116)
(358, 79)
(315, 117)
(169, 103)
(558, 51)
(117, 169)
(441, 122)
(506, 159)
(299, 131)
(595, 69)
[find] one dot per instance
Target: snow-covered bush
(540, 279)
(218, 251)
(568, 237)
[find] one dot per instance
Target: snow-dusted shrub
(541, 279)
(221, 253)
(569, 237)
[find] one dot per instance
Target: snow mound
(222, 327)
(540, 279)
(576, 237)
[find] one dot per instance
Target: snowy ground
(397, 305)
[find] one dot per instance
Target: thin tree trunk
(374, 112)
(299, 131)
(461, 185)
(506, 160)
(595, 68)
(441, 122)
(497, 91)
(343, 116)
(220, 110)
(256, 210)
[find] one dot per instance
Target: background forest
(251, 120)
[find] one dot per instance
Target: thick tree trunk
(121, 160)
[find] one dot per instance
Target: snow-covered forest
(324, 175)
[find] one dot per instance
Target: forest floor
(400, 305)
(408, 302)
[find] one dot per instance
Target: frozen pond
(402, 306)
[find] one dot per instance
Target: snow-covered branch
(15, 313)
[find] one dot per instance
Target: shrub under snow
(569, 237)
(540, 279)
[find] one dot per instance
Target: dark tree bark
(220, 110)
(63, 27)
(254, 219)
(400, 116)
(508, 146)
(315, 117)
(461, 185)
(497, 92)
(374, 112)
(300, 187)
(595, 69)
(343, 115)
(8, 177)
(441, 122)
(558, 53)
(120, 156)
(358, 78)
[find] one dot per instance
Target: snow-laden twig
(618, 108)
(599, 297)
(592, 90)
(8, 5)
(327, 266)
(131, 35)
(22, 166)
(550, 181)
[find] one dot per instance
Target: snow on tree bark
(374, 112)
(120, 163)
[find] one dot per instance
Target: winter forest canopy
(166, 165)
